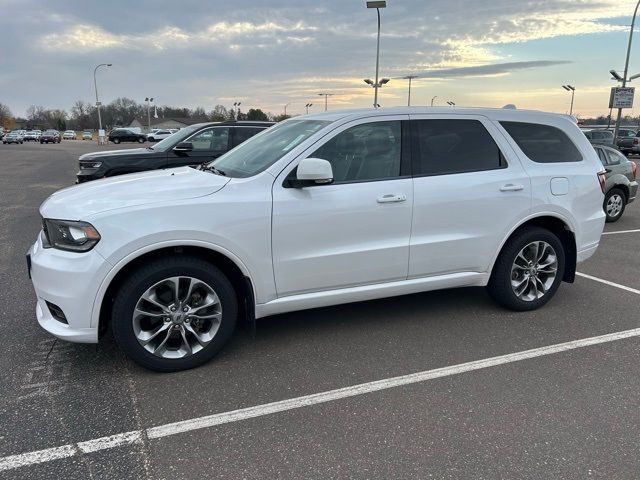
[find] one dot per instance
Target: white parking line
(607, 282)
(622, 231)
(135, 436)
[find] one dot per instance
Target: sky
(267, 54)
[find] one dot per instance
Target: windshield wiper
(210, 168)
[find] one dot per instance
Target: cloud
(92, 37)
(488, 70)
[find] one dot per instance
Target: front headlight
(70, 235)
(85, 165)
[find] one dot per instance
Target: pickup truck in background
(629, 145)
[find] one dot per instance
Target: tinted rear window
(543, 143)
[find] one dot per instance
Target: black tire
(133, 288)
(151, 139)
(141, 140)
(607, 197)
(116, 141)
(499, 286)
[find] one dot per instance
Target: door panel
(460, 219)
(352, 232)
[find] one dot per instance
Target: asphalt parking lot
(571, 411)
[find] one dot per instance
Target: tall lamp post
(571, 89)
(451, 104)
(285, 108)
(149, 101)
(325, 95)
(236, 105)
(377, 5)
(307, 107)
(433, 99)
(626, 69)
(95, 85)
(409, 77)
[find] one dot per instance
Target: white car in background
(69, 135)
(30, 136)
(319, 210)
(158, 135)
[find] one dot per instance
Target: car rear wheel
(614, 204)
(141, 140)
(528, 270)
(174, 313)
(116, 141)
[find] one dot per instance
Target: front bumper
(70, 281)
(88, 174)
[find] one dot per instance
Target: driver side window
(214, 139)
(370, 151)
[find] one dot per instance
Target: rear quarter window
(543, 143)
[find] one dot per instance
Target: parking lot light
(433, 99)
(409, 77)
(325, 95)
(95, 85)
(377, 5)
(572, 89)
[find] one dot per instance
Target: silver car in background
(621, 186)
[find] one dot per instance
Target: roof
(503, 114)
(155, 121)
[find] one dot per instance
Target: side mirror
(183, 147)
(314, 171)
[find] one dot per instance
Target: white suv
(319, 210)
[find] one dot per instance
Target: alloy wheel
(614, 205)
(177, 317)
(534, 271)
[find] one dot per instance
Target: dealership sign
(621, 97)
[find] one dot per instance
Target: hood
(116, 153)
(87, 199)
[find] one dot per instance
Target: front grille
(57, 313)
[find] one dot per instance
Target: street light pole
(307, 107)
(325, 95)
(626, 69)
(149, 100)
(285, 108)
(434, 97)
(409, 77)
(95, 85)
(571, 89)
(377, 5)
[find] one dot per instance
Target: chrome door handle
(510, 187)
(392, 198)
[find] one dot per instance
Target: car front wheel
(614, 204)
(141, 140)
(528, 270)
(174, 313)
(116, 141)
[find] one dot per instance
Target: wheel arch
(233, 268)
(559, 226)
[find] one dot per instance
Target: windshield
(264, 149)
(176, 138)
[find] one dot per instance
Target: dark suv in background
(125, 135)
(190, 146)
